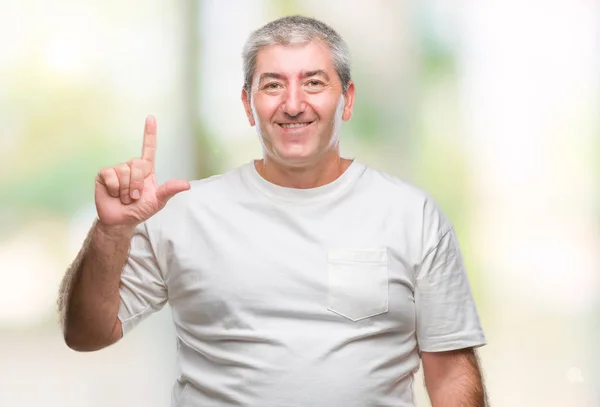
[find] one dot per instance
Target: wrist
(114, 232)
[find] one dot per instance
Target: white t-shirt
(284, 297)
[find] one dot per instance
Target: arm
(453, 378)
(89, 294)
(126, 195)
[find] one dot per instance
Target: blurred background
(491, 106)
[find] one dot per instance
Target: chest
(262, 269)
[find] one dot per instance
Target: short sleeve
(447, 317)
(143, 290)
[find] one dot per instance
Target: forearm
(89, 295)
(463, 391)
(458, 385)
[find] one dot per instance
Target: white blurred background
(491, 106)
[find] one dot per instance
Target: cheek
(265, 108)
(325, 107)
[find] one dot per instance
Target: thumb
(169, 189)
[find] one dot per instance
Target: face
(297, 103)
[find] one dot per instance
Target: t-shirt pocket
(358, 282)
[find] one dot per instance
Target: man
(302, 279)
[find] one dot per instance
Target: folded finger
(136, 182)
(124, 173)
(108, 177)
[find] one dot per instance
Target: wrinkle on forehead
(274, 66)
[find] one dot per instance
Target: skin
(298, 84)
(125, 195)
(292, 84)
(454, 379)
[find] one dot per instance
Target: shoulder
(401, 191)
(214, 188)
(214, 191)
(217, 185)
(416, 206)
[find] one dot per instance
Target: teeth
(293, 125)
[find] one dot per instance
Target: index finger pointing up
(149, 148)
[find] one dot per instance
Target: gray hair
(296, 30)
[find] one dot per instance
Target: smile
(294, 125)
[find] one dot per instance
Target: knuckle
(138, 168)
(124, 169)
(105, 172)
(137, 173)
(112, 184)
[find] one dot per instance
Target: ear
(248, 107)
(348, 102)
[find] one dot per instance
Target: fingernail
(135, 194)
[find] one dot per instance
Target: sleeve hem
(446, 344)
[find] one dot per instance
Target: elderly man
(302, 279)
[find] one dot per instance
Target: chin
(295, 159)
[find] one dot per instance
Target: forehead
(295, 58)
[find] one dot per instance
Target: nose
(294, 102)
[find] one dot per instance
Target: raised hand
(127, 194)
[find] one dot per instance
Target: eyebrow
(303, 74)
(269, 75)
(316, 72)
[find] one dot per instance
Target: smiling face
(297, 103)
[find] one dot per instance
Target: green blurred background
(490, 106)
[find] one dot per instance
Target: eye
(314, 83)
(272, 86)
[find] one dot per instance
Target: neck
(310, 175)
